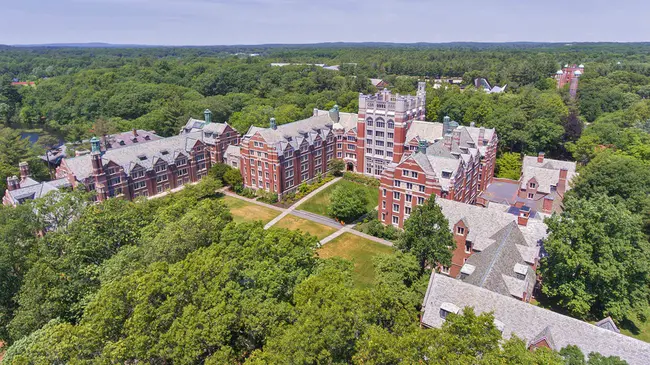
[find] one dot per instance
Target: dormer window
(460, 231)
(520, 271)
(122, 143)
(447, 308)
(147, 137)
(142, 157)
(532, 185)
(134, 139)
(164, 152)
(446, 174)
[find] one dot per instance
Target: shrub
(361, 179)
(233, 179)
(218, 171)
(336, 167)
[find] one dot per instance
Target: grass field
(315, 229)
(637, 328)
(358, 250)
(243, 211)
(318, 203)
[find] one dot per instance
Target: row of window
(409, 186)
(380, 123)
(380, 134)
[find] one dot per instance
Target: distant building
(483, 84)
(569, 75)
(379, 83)
(218, 136)
(124, 139)
(24, 188)
(542, 186)
(538, 327)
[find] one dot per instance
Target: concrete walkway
(326, 221)
(296, 204)
(233, 195)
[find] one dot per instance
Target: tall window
(391, 124)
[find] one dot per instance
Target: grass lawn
(318, 203)
(315, 229)
(358, 250)
(637, 328)
(243, 211)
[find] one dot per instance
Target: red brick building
(456, 166)
(151, 168)
(569, 74)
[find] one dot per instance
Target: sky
(227, 22)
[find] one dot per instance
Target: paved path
(349, 228)
(296, 204)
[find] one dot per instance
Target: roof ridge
(496, 255)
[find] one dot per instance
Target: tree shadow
(629, 325)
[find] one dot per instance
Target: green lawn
(637, 328)
(243, 211)
(318, 203)
(358, 250)
(315, 229)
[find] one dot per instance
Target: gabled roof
(127, 157)
(529, 322)
(547, 163)
(430, 131)
(545, 178)
(31, 189)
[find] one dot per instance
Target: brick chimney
(540, 157)
(524, 214)
(13, 183)
(561, 184)
(135, 132)
(547, 205)
(24, 170)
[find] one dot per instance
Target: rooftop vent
(142, 157)
(164, 152)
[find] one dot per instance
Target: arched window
(391, 124)
(380, 123)
(369, 122)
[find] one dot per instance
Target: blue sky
(215, 22)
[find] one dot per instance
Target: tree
(588, 267)
(427, 235)
(234, 179)
(217, 171)
(509, 166)
(348, 203)
(336, 166)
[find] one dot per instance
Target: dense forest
(174, 280)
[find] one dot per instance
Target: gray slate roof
(128, 157)
(531, 161)
(429, 131)
(528, 321)
(545, 178)
(494, 267)
(31, 189)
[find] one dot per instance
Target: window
(379, 152)
(414, 174)
(137, 174)
(139, 185)
(288, 154)
(468, 247)
(317, 161)
(379, 134)
(289, 183)
(396, 195)
(369, 122)
(288, 173)
(531, 195)
(409, 186)
(395, 219)
(339, 154)
(405, 172)
(409, 198)
(304, 177)
(407, 210)
(397, 183)
(420, 200)
(391, 124)
(160, 168)
(161, 178)
(369, 142)
(389, 154)
(383, 204)
(368, 132)
(422, 188)
(351, 138)
(304, 167)
(383, 192)
(114, 181)
(395, 207)
(288, 163)
(460, 231)
(303, 158)
(380, 124)
(350, 146)
(200, 157)
(444, 270)
(390, 135)
(389, 144)
(318, 153)
(369, 150)
(532, 185)
(383, 217)
(339, 145)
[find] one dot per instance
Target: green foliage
(509, 166)
(348, 204)
(427, 235)
(361, 179)
(375, 228)
(218, 171)
(336, 167)
(233, 178)
(588, 269)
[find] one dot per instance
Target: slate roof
(31, 189)
(421, 130)
(295, 133)
(484, 224)
(210, 131)
(545, 177)
(528, 321)
(531, 161)
(233, 150)
(495, 268)
(166, 149)
(121, 140)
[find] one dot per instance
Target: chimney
(472, 124)
(524, 214)
(13, 183)
(422, 146)
(540, 157)
(315, 112)
(561, 184)
(207, 115)
(24, 170)
(135, 132)
(447, 141)
(334, 114)
(547, 205)
(272, 124)
(481, 136)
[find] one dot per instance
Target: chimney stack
(13, 183)
(561, 184)
(540, 157)
(272, 124)
(207, 115)
(524, 214)
(135, 132)
(24, 170)
(547, 205)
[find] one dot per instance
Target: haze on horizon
(227, 22)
